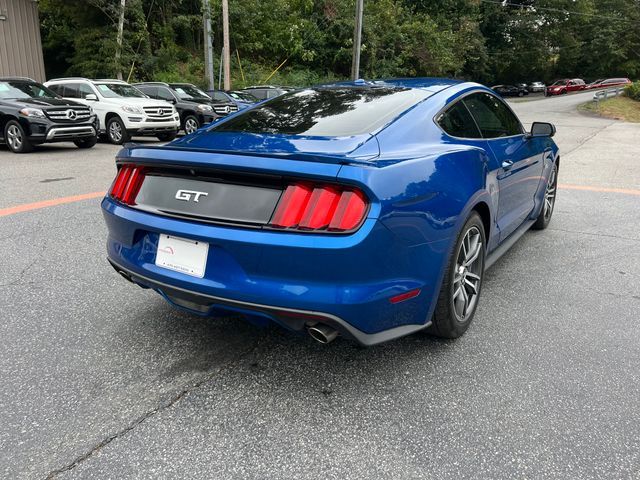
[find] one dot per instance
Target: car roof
(25, 79)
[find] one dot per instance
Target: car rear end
(282, 213)
(292, 244)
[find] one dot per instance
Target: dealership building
(20, 44)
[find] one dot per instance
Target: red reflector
(405, 296)
(349, 211)
(320, 208)
(291, 206)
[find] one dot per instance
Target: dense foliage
(490, 41)
(633, 91)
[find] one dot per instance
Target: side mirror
(542, 129)
(91, 97)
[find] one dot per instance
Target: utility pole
(208, 45)
(357, 41)
(119, 39)
(225, 44)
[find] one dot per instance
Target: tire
(461, 285)
(167, 137)
(550, 191)
(191, 124)
(520, 94)
(16, 138)
(116, 132)
(86, 142)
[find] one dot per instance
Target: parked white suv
(122, 109)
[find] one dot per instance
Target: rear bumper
(293, 279)
(294, 319)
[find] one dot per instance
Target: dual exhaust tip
(322, 333)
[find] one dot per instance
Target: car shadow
(210, 346)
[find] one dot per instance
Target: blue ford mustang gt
(365, 209)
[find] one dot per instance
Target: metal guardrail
(604, 94)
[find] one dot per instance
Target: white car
(122, 109)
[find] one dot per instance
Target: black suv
(195, 107)
(31, 114)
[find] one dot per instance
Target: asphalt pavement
(101, 379)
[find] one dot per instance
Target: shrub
(633, 91)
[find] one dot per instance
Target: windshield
(189, 91)
(244, 97)
(14, 89)
(560, 82)
(119, 90)
(328, 111)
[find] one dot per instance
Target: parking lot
(101, 379)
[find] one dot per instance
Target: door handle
(507, 164)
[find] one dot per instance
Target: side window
(147, 90)
(56, 89)
(458, 122)
(84, 90)
(71, 90)
(165, 94)
(492, 116)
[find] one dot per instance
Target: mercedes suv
(123, 110)
(31, 114)
(195, 107)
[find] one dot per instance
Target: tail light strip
(333, 208)
(127, 184)
(303, 207)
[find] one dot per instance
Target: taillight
(333, 208)
(127, 184)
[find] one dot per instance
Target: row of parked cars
(560, 87)
(81, 110)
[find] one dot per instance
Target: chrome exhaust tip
(322, 333)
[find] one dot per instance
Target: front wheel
(86, 142)
(16, 138)
(116, 131)
(544, 218)
(460, 290)
(191, 124)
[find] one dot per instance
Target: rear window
(325, 112)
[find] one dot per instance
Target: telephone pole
(208, 44)
(119, 39)
(357, 41)
(225, 45)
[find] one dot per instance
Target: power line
(555, 10)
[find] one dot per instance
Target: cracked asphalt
(100, 379)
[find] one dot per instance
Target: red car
(609, 82)
(565, 86)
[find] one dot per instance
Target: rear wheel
(86, 142)
(116, 132)
(16, 138)
(462, 282)
(549, 200)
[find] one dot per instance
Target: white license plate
(182, 255)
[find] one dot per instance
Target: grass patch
(618, 108)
